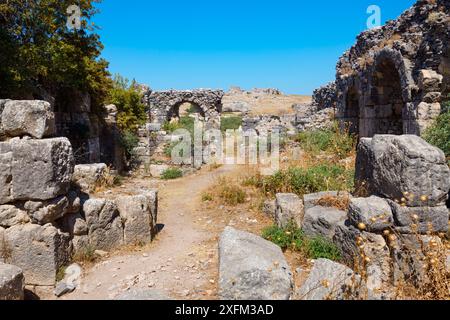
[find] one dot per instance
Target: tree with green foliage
(41, 55)
(130, 109)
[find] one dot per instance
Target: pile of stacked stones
(386, 234)
(45, 214)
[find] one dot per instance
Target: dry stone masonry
(393, 79)
(164, 105)
(46, 213)
(387, 232)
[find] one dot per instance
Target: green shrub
(230, 123)
(320, 247)
(129, 141)
(294, 239)
(288, 238)
(333, 141)
(323, 177)
(439, 133)
(171, 174)
(130, 109)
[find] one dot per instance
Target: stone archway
(386, 96)
(386, 106)
(164, 104)
(351, 112)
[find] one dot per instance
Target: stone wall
(392, 80)
(46, 214)
(164, 105)
(325, 97)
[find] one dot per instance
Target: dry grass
(341, 203)
(268, 104)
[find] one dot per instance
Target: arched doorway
(385, 103)
(185, 112)
(351, 113)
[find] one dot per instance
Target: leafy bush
(323, 177)
(129, 142)
(130, 109)
(294, 239)
(230, 123)
(439, 133)
(333, 141)
(288, 238)
(320, 247)
(171, 174)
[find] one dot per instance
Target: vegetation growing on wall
(439, 133)
(128, 100)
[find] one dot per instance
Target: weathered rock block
(136, 214)
(88, 176)
(289, 210)
(420, 219)
(374, 212)
(104, 224)
(11, 282)
(395, 166)
(411, 253)
(270, 208)
(323, 221)
(11, 215)
(370, 253)
(35, 169)
(251, 268)
(40, 251)
(329, 280)
(28, 118)
(47, 211)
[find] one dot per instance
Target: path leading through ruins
(181, 263)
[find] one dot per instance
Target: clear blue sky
(292, 45)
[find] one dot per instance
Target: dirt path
(181, 263)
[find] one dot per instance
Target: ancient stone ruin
(46, 213)
(164, 105)
(393, 79)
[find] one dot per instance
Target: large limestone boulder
(289, 210)
(323, 221)
(88, 176)
(40, 251)
(11, 282)
(28, 118)
(397, 167)
(35, 169)
(251, 268)
(375, 213)
(104, 224)
(329, 280)
(137, 218)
